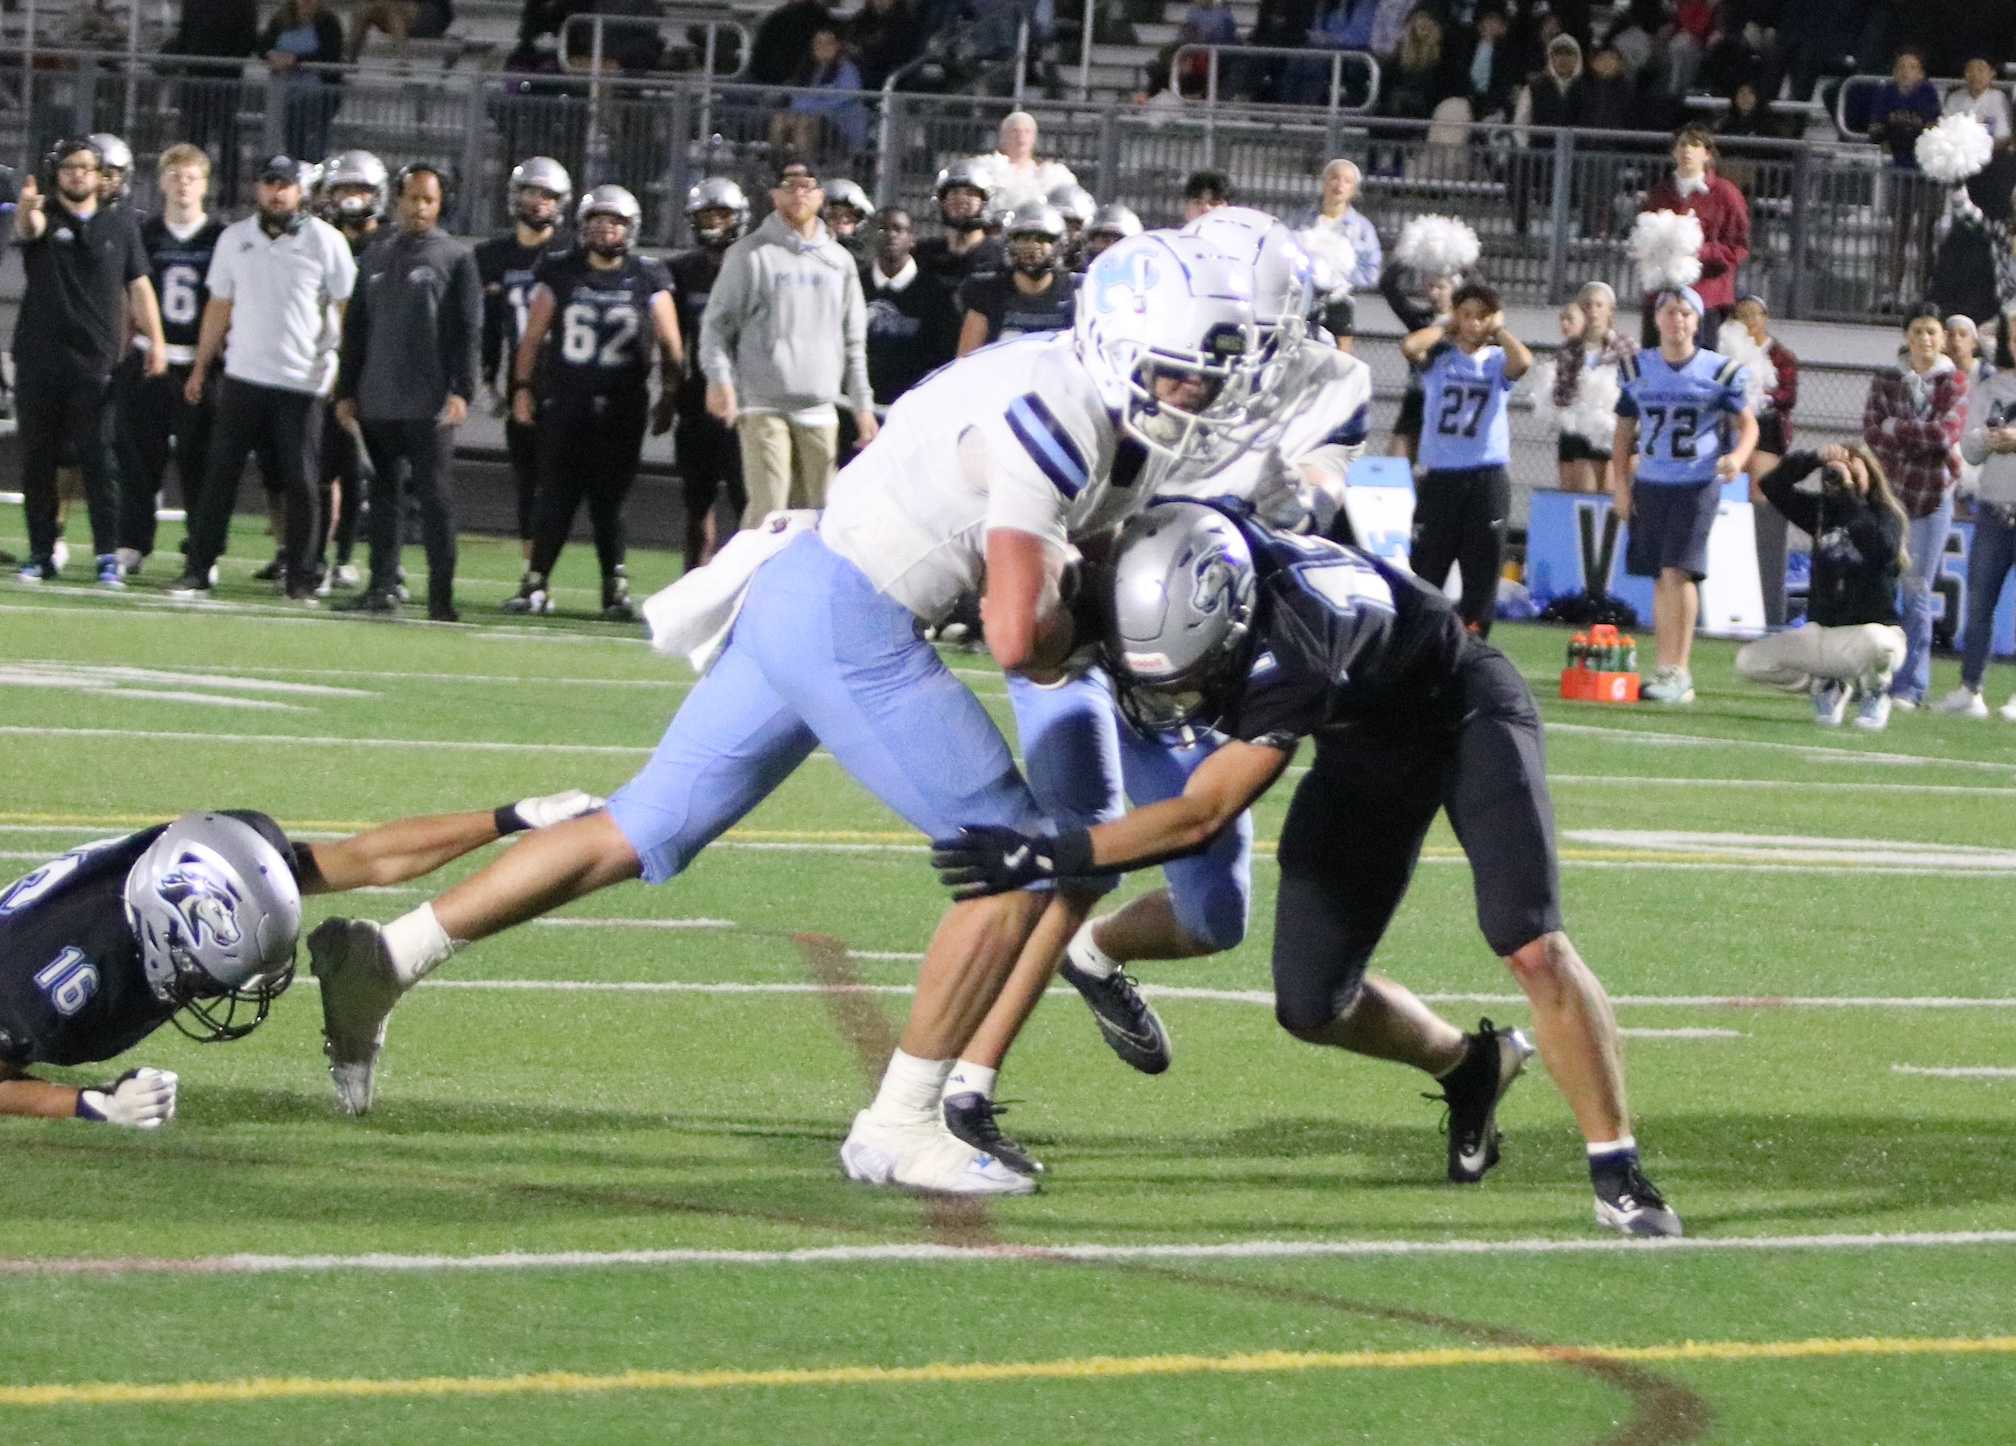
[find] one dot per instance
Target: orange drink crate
(1602, 667)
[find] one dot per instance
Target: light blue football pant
(819, 657)
(1082, 757)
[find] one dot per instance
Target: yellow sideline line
(543, 1383)
(1571, 853)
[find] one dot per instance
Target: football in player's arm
(193, 922)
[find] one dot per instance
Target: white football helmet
(540, 173)
(217, 913)
(1284, 274)
(1160, 307)
(359, 170)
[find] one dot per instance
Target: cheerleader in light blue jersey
(1684, 427)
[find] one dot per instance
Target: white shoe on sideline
(1830, 702)
(1965, 702)
(1669, 685)
(349, 959)
(1872, 714)
(2008, 710)
(924, 1156)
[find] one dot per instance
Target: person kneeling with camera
(1851, 642)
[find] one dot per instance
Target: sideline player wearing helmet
(1075, 204)
(602, 307)
(1109, 224)
(540, 191)
(115, 170)
(710, 457)
(1035, 292)
(351, 193)
(193, 922)
(985, 471)
(846, 209)
(963, 191)
(1270, 638)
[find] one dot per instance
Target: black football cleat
(1129, 1025)
(972, 1117)
(1630, 1204)
(1493, 1059)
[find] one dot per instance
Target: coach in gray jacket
(784, 337)
(409, 370)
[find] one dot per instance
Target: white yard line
(1819, 752)
(920, 1253)
(545, 681)
(1195, 993)
(1955, 1071)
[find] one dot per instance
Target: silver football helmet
(1183, 600)
(217, 913)
(1109, 226)
(358, 172)
(1165, 326)
(717, 193)
(846, 193)
(115, 165)
(610, 201)
(540, 173)
(1284, 276)
(1075, 205)
(971, 174)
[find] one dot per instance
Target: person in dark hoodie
(1610, 100)
(1552, 97)
(1851, 642)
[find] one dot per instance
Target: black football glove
(990, 859)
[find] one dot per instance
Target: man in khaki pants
(783, 338)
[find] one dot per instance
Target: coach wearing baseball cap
(279, 280)
(785, 336)
(85, 267)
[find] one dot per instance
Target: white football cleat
(1965, 701)
(349, 959)
(925, 1157)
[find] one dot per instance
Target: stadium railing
(1552, 208)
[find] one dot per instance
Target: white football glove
(141, 1099)
(555, 808)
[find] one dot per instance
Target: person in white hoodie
(1989, 443)
(784, 337)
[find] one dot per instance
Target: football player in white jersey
(1082, 756)
(984, 470)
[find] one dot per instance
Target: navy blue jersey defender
(602, 339)
(1341, 640)
(1682, 412)
(72, 988)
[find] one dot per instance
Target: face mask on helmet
(352, 204)
(538, 208)
(1033, 254)
(715, 226)
(217, 914)
(1183, 612)
(963, 208)
(606, 234)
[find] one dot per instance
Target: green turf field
(1809, 935)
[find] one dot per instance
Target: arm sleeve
(721, 323)
(1736, 394)
(1877, 532)
(222, 281)
(1392, 285)
(340, 278)
(1941, 431)
(1777, 485)
(1785, 396)
(1371, 258)
(350, 351)
(1729, 247)
(466, 323)
(1874, 413)
(854, 340)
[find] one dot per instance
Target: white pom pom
(1336, 261)
(1540, 382)
(1667, 245)
(1759, 376)
(1593, 417)
(1437, 246)
(1957, 147)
